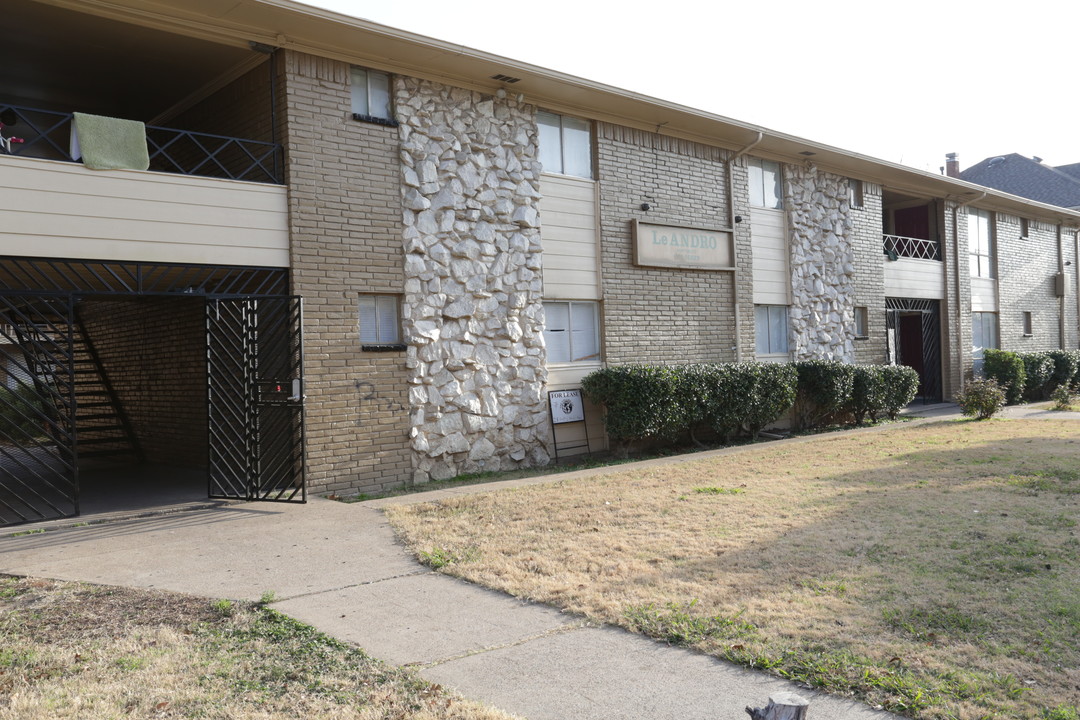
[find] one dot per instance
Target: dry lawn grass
(70, 650)
(930, 569)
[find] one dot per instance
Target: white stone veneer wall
(822, 312)
(473, 307)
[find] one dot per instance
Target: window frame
(381, 342)
(770, 350)
(354, 88)
(563, 144)
(983, 321)
(861, 333)
(856, 194)
(1028, 324)
(980, 247)
(755, 177)
(593, 359)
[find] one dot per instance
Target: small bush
(981, 398)
(1007, 370)
(640, 401)
(1062, 397)
(22, 413)
(901, 387)
(824, 390)
(1038, 373)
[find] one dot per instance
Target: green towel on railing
(110, 143)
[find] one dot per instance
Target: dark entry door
(914, 330)
(255, 405)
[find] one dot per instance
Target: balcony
(898, 246)
(46, 135)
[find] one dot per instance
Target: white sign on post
(566, 406)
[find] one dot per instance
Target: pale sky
(905, 82)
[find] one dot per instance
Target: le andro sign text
(682, 247)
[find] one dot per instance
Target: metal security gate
(255, 399)
(38, 439)
(914, 339)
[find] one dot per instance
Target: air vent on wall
(505, 78)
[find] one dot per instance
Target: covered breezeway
(127, 385)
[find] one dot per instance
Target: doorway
(914, 340)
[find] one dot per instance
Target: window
(862, 322)
(1025, 228)
(379, 323)
(565, 144)
(572, 332)
(984, 334)
(1027, 324)
(770, 325)
(371, 96)
(855, 193)
(981, 243)
(765, 188)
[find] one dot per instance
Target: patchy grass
(71, 650)
(932, 569)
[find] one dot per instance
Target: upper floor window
(862, 322)
(855, 193)
(981, 243)
(565, 144)
(371, 96)
(765, 190)
(572, 331)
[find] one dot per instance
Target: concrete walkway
(340, 568)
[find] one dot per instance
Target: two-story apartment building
(354, 257)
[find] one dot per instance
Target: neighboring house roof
(1019, 175)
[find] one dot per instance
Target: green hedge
(22, 414)
(1066, 368)
(1007, 369)
(643, 402)
(1038, 372)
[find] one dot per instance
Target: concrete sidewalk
(339, 568)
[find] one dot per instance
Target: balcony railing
(898, 246)
(47, 134)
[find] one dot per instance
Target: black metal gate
(255, 398)
(38, 468)
(927, 342)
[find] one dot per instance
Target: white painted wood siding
(984, 296)
(568, 377)
(772, 272)
(910, 278)
(59, 209)
(568, 228)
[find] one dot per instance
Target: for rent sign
(683, 247)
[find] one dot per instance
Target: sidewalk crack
(570, 627)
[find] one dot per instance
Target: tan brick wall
(345, 229)
(663, 315)
(153, 351)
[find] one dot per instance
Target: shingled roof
(1019, 175)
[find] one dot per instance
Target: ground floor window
(771, 329)
(862, 322)
(572, 331)
(984, 334)
(379, 320)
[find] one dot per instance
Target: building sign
(683, 247)
(566, 406)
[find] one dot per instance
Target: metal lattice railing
(46, 134)
(898, 246)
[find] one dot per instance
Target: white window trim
(752, 162)
(988, 256)
(562, 148)
(773, 356)
(596, 360)
(354, 87)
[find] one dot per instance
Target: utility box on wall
(1061, 285)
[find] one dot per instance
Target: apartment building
(351, 257)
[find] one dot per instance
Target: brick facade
(661, 314)
(868, 280)
(153, 352)
(345, 229)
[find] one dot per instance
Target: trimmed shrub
(824, 390)
(770, 390)
(1062, 397)
(640, 401)
(868, 393)
(981, 398)
(1007, 370)
(1066, 367)
(1038, 372)
(901, 387)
